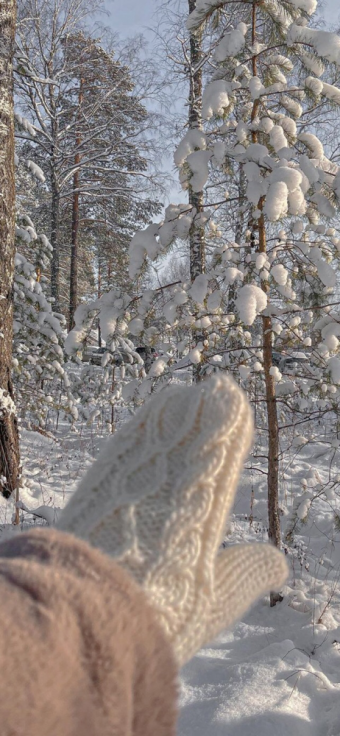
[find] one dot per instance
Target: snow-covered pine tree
(42, 28)
(267, 71)
(40, 379)
(91, 137)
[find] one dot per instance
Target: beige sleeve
(80, 649)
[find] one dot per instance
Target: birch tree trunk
(55, 231)
(99, 293)
(75, 221)
(238, 235)
(9, 438)
(74, 249)
(55, 197)
(196, 235)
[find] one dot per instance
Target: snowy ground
(278, 672)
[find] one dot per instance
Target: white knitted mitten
(157, 499)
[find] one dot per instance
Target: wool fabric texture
(81, 651)
(157, 500)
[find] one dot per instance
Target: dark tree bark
(9, 437)
(274, 529)
(273, 427)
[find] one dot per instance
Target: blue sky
(332, 10)
(133, 16)
(130, 16)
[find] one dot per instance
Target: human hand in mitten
(157, 500)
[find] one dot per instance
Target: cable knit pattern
(157, 500)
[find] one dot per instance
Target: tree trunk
(55, 227)
(74, 247)
(75, 222)
(9, 437)
(274, 530)
(196, 235)
(99, 295)
(232, 290)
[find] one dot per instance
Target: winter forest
(170, 210)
